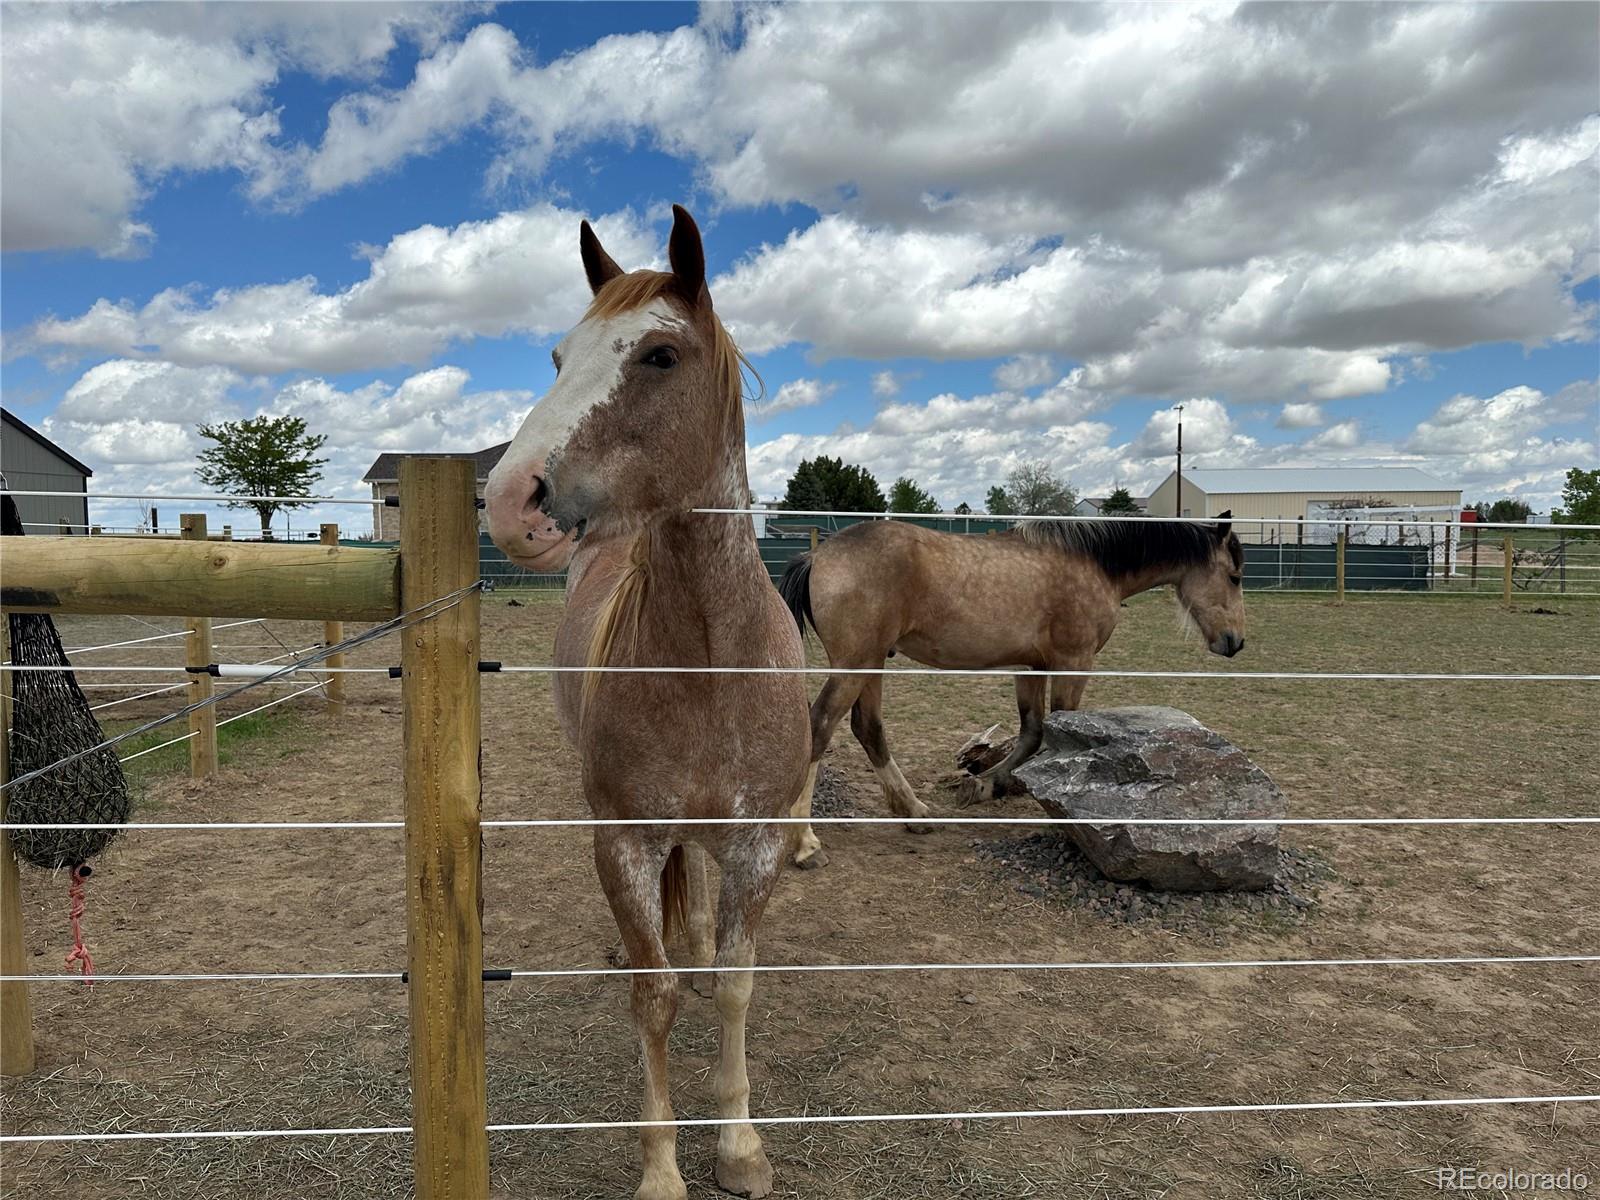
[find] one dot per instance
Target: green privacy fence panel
(1288, 566)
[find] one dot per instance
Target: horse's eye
(1236, 580)
(662, 357)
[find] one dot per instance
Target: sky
(951, 238)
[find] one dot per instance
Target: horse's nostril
(539, 491)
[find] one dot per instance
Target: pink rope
(80, 952)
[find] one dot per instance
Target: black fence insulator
(490, 666)
(477, 502)
(494, 975)
(394, 672)
(391, 501)
(209, 669)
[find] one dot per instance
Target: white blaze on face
(593, 357)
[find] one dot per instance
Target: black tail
(795, 588)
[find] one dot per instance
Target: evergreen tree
(826, 484)
(906, 497)
(1119, 502)
(1580, 502)
(999, 504)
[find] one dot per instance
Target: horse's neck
(1143, 581)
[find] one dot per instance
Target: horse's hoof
(922, 827)
(817, 858)
(975, 789)
(662, 1186)
(749, 1176)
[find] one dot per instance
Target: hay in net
(50, 720)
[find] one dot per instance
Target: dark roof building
(384, 476)
(31, 462)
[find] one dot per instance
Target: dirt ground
(153, 1056)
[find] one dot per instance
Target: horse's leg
(747, 880)
(831, 704)
(1066, 691)
(996, 781)
(701, 933)
(866, 722)
(630, 874)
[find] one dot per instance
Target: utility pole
(1177, 504)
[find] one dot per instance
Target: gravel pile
(832, 797)
(1052, 868)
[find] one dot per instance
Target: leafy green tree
(1580, 501)
(1032, 490)
(262, 456)
(1508, 510)
(998, 503)
(906, 497)
(830, 485)
(1119, 501)
(964, 509)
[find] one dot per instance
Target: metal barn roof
(1315, 479)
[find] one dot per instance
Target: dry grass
(295, 1054)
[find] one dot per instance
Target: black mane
(1132, 546)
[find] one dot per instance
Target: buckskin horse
(643, 423)
(1044, 596)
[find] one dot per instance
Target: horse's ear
(1225, 525)
(688, 258)
(597, 264)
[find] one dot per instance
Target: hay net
(50, 720)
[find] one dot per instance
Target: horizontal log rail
(289, 581)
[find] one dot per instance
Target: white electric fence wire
(789, 514)
(227, 721)
(818, 1119)
(997, 672)
(818, 968)
(683, 822)
(403, 621)
(141, 696)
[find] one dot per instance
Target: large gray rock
(1158, 762)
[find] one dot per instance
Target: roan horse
(644, 422)
(1045, 596)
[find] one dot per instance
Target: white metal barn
(1262, 499)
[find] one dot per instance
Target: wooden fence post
(443, 806)
(1505, 582)
(333, 632)
(197, 653)
(813, 539)
(1338, 561)
(16, 1006)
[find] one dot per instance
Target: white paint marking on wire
(815, 968)
(817, 1119)
(998, 672)
(681, 822)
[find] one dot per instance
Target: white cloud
(1300, 415)
(1345, 435)
(516, 273)
(1025, 372)
(135, 422)
(102, 102)
(796, 393)
(885, 384)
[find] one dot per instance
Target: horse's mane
(1130, 547)
(620, 613)
(630, 292)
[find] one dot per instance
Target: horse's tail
(795, 588)
(674, 896)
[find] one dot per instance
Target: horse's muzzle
(1227, 644)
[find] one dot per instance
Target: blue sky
(954, 238)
